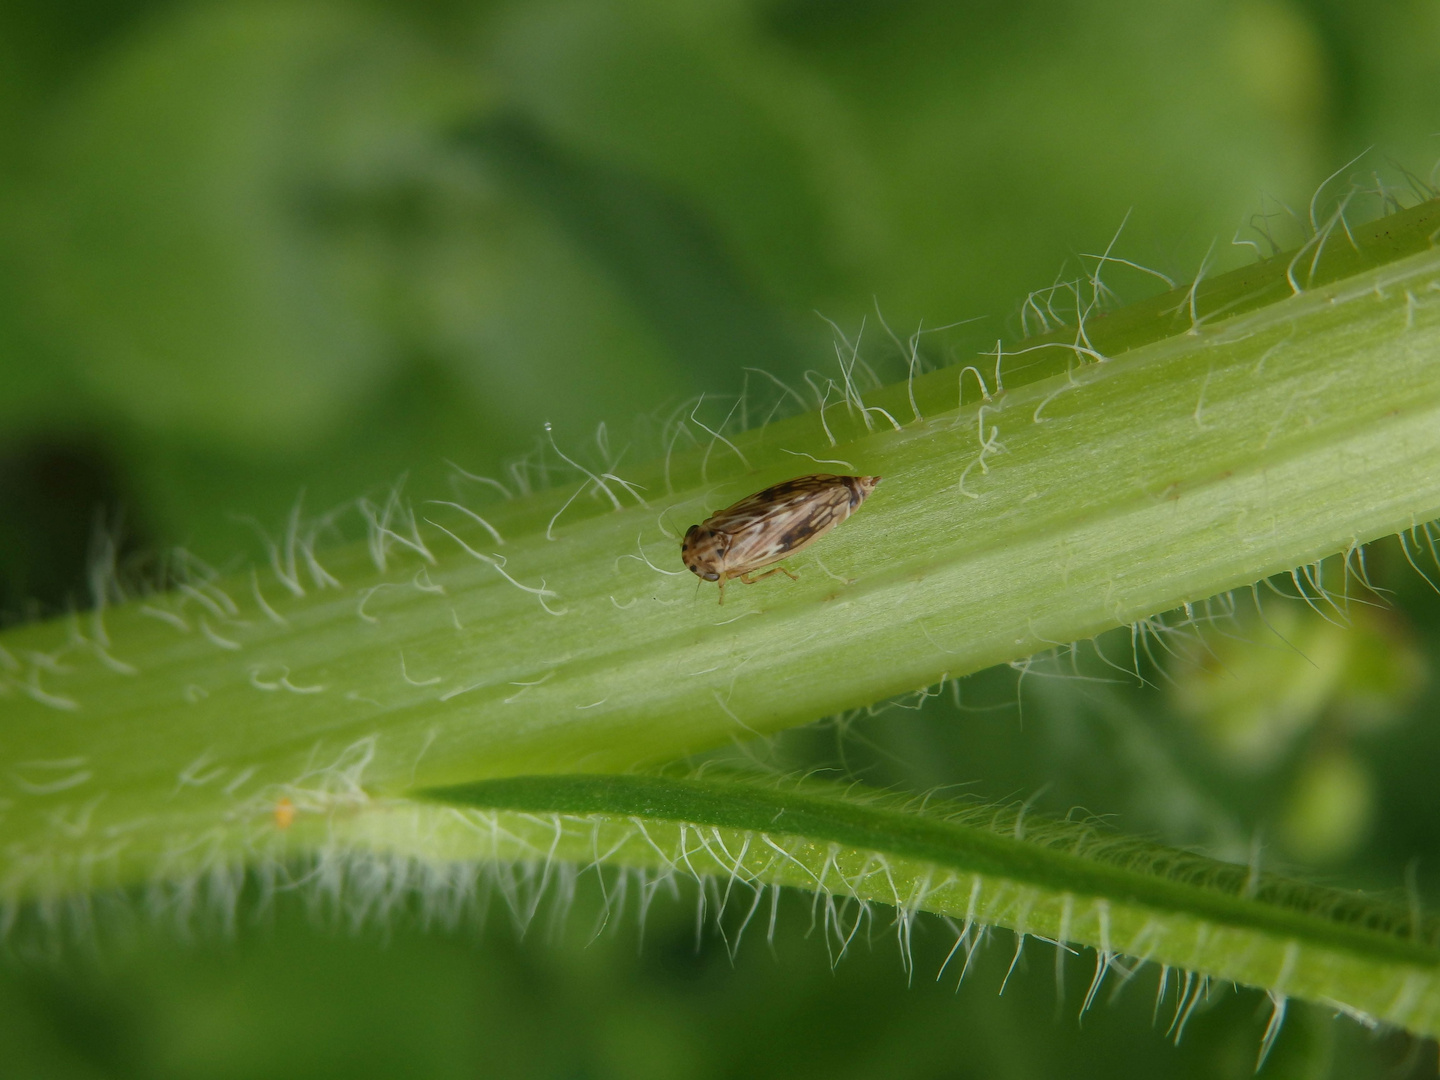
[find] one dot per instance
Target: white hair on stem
(498, 562)
(494, 532)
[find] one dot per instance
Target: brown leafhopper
(769, 525)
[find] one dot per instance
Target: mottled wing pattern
(781, 520)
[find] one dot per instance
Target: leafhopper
(765, 527)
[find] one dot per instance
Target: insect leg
(749, 580)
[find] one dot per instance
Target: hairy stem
(157, 735)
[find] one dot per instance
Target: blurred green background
(250, 250)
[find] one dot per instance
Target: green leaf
(989, 866)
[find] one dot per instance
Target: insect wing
(780, 520)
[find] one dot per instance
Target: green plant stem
(155, 737)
